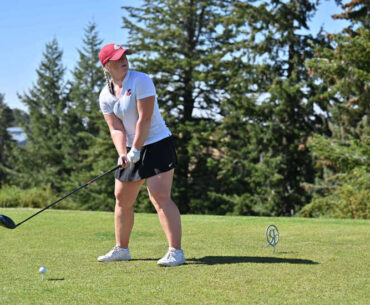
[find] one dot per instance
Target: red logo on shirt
(128, 92)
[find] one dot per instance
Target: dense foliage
(268, 119)
(6, 118)
(343, 65)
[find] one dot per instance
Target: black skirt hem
(155, 158)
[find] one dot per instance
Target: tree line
(268, 119)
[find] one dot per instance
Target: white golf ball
(42, 269)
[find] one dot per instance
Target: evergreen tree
(343, 190)
(87, 82)
(343, 65)
(355, 11)
(94, 151)
(181, 44)
(344, 157)
(41, 161)
(21, 117)
(6, 119)
(269, 114)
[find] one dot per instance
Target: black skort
(155, 158)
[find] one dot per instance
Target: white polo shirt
(136, 85)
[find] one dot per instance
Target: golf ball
(42, 269)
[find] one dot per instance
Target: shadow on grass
(224, 260)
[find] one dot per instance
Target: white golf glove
(134, 155)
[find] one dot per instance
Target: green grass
(317, 261)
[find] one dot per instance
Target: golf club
(8, 223)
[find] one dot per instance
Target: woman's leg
(125, 193)
(159, 189)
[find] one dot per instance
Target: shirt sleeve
(105, 106)
(144, 87)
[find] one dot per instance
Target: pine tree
(270, 113)
(94, 151)
(20, 117)
(181, 45)
(344, 156)
(41, 161)
(343, 65)
(87, 82)
(356, 11)
(83, 106)
(6, 119)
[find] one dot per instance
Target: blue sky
(26, 26)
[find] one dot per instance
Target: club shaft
(74, 191)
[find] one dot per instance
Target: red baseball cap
(112, 51)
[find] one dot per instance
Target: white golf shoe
(116, 254)
(172, 258)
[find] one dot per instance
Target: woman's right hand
(123, 161)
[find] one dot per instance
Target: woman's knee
(160, 200)
(122, 202)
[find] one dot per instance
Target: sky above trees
(26, 26)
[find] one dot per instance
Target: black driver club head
(7, 222)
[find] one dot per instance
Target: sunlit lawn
(317, 261)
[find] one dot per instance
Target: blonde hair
(108, 81)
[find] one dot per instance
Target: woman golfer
(146, 152)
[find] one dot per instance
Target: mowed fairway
(317, 261)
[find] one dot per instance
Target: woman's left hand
(134, 155)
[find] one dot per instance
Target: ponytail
(109, 82)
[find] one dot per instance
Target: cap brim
(120, 52)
